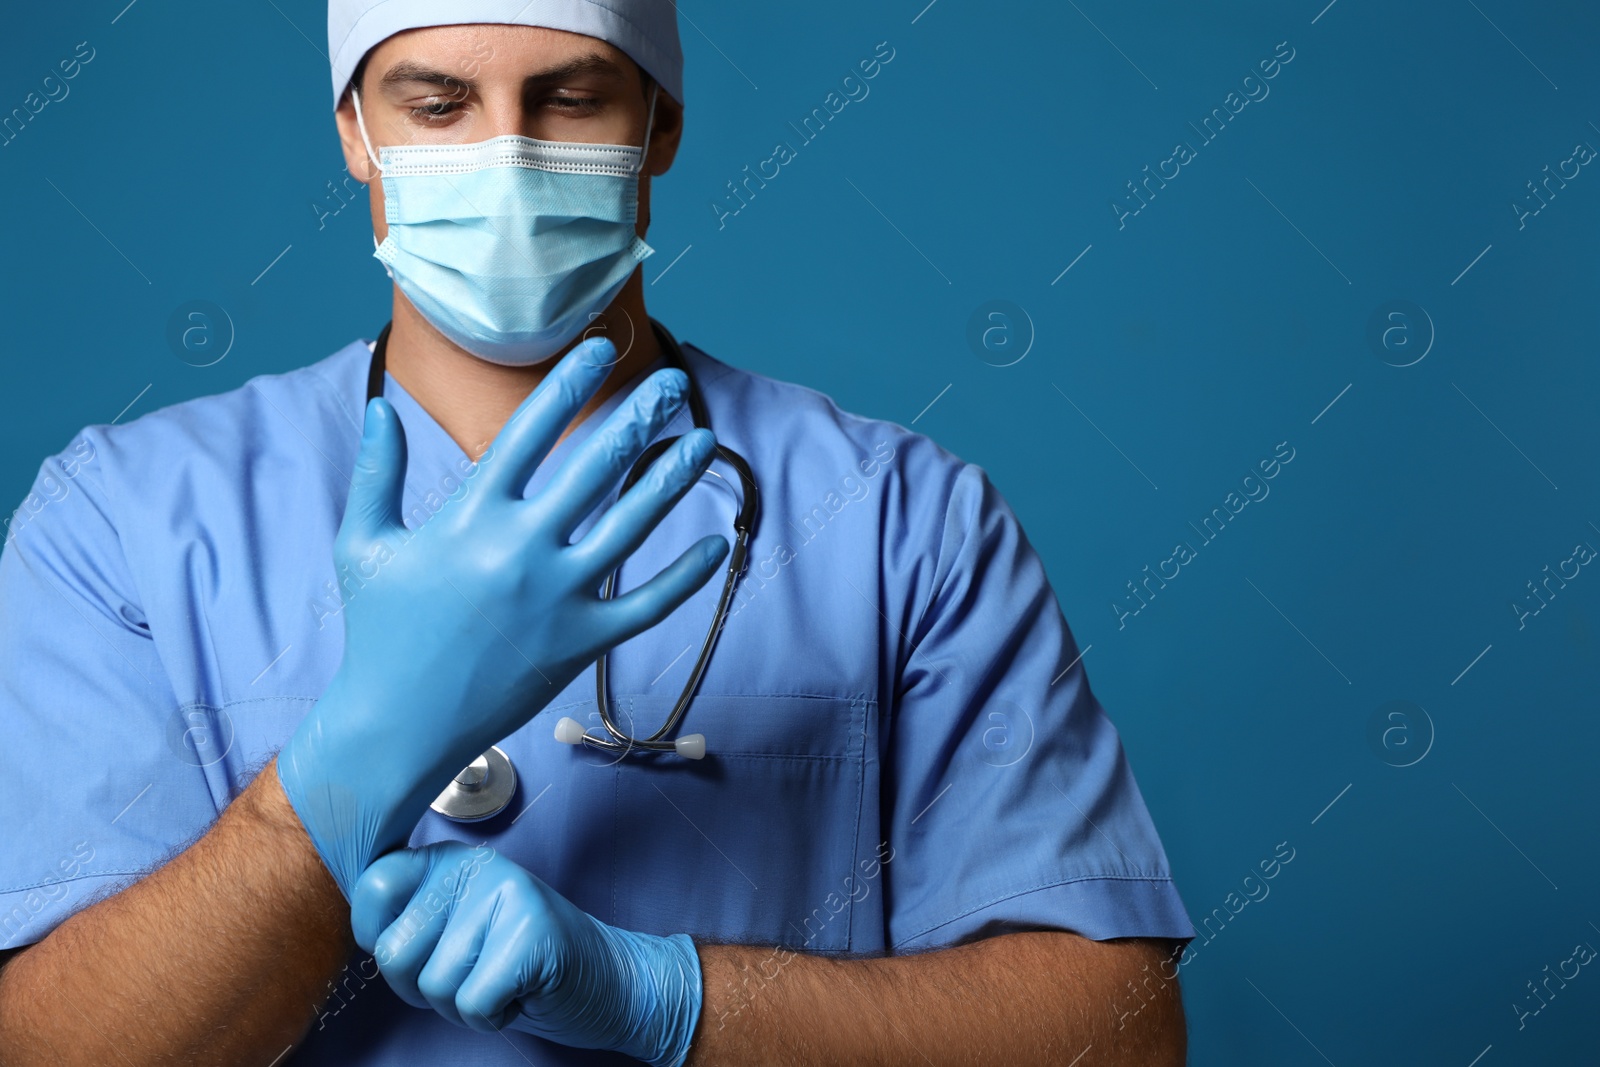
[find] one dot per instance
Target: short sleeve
(93, 789)
(1009, 799)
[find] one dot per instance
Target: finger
(639, 609)
(619, 532)
(405, 948)
(488, 997)
(539, 420)
(605, 455)
(378, 481)
(383, 891)
(405, 944)
(452, 960)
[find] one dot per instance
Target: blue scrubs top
(904, 751)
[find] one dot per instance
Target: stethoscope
(484, 787)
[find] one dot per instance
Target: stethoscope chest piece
(481, 791)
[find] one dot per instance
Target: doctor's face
(459, 84)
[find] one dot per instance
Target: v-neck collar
(437, 465)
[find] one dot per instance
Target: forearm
(1040, 997)
(221, 956)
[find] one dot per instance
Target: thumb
(383, 892)
(377, 483)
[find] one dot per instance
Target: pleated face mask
(510, 246)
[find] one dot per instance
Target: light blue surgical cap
(646, 30)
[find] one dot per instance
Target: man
(914, 837)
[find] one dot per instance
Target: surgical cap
(646, 30)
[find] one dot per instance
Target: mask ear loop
(372, 156)
(355, 95)
(648, 125)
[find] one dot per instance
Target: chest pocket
(755, 843)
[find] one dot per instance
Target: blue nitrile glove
(458, 633)
(488, 945)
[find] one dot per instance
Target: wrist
(355, 787)
(266, 804)
(276, 830)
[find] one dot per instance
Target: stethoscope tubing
(749, 497)
(620, 740)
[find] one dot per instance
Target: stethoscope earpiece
(692, 746)
(570, 731)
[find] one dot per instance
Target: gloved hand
(458, 633)
(488, 945)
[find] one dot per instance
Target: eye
(434, 109)
(574, 105)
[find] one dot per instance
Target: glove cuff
(331, 813)
(354, 804)
(665, 998)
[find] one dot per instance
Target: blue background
(1228, 315)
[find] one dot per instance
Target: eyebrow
(591, 63)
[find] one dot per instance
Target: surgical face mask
(510, 246)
